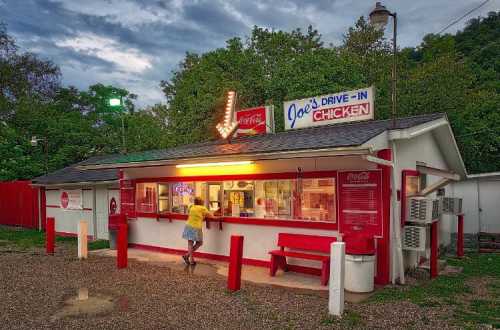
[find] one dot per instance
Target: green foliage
(270, 67)
(25, 239)
(75, 124)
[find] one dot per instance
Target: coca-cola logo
(64, 200)
(358, 177)
(113, 206)
(251, 120)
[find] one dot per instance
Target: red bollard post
(434, 249)
(460, 236)
(235, 261)
(50, 235)
(122, 246)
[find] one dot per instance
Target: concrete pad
(252, 274)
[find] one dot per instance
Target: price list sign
(360, 202)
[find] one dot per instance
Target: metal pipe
(394, 68)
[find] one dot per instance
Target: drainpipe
(396, 223)
(94, 212)
(479, 210)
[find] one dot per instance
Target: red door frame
(404, 175)
(384, 243)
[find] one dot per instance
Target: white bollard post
(337, 271)
(82, 240)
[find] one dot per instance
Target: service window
(163, 198)
(239, 198)
(214, 198)
(183, 194)
(146, 197)
(274, 199)
(318, 199)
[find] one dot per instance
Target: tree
(23, 75)
(270, 67)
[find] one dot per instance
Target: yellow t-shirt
(196, 215)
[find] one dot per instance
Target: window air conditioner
(423, 210)
(451, 205)
(414, 238)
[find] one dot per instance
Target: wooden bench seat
(299, 255)
(302, 245)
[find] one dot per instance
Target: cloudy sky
(136, 43)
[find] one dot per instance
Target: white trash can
(359, 273)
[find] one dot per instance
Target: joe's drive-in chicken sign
(329, 109)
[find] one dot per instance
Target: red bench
(309, 243)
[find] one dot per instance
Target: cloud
(128, 59)
(136, 43)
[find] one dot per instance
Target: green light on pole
(115, 102)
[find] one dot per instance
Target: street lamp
(34, 142)
(379, 18)
(116, 102)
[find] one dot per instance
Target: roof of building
(483, 175)
(331, 136)
(71, 174)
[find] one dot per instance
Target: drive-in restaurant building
(333, 172)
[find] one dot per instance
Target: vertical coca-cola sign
(252, 121)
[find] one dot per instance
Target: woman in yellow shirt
(193, 229)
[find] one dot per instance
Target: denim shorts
(192, 234)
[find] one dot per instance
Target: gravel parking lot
(39, 292)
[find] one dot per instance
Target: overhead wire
(462, 17)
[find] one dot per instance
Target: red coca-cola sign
(64, 200)
(254, 121)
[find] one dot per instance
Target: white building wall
(481, 204)
(422, 148)
(258, 240)
(66, 221)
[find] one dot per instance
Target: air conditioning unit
(423, 210)
(451, 205)
(414, 238)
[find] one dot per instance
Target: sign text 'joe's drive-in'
(329, 109)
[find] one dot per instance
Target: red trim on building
(43, 210)
(58, 207)
(261, 176)
(218, 257)
(383, 244)
(309, 224)
(404, 175)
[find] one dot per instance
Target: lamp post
(379, 17)
(116, 102)
(34, 142)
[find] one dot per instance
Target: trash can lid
(359, 245)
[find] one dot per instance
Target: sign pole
(82, 240)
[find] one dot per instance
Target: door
(489, 199)
(214, 198)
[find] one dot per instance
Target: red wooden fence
(18, 204)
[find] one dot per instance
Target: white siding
(422, 148)
(258, 240)
(481, 201)
(95, 215)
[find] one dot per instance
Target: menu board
(360, 202)
(127, 197)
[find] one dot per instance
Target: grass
(27, 238)
(350, 319)
(453, 291)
